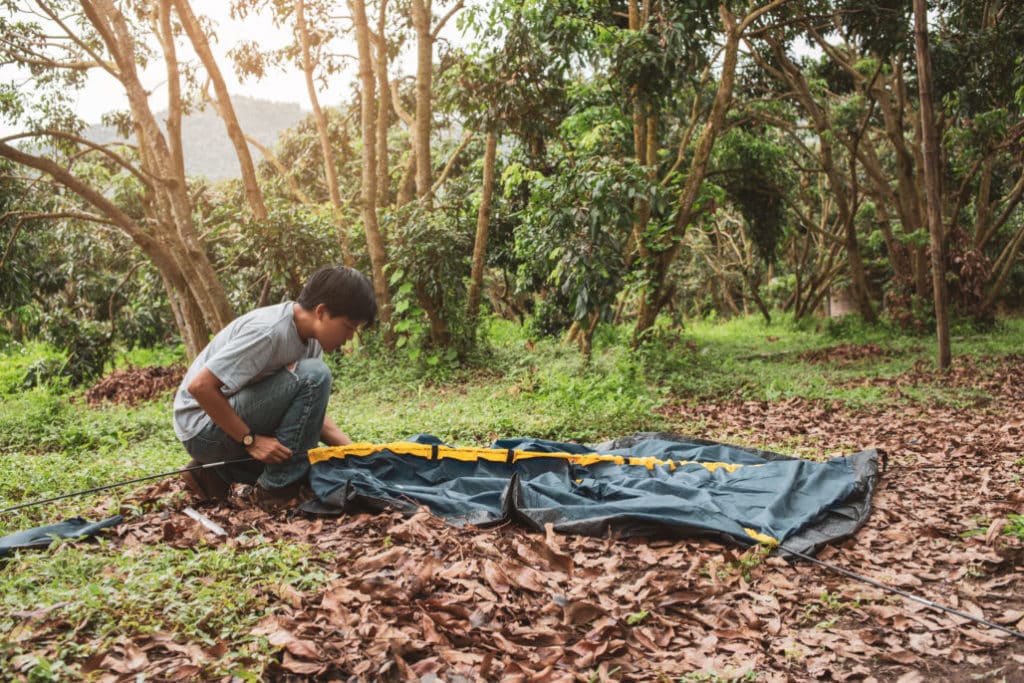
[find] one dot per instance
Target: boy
(258, 391)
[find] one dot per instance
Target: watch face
(247, 440)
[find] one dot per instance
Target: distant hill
(208, 150)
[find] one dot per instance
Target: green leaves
(573, 233)
(753, 166)
(637, 618)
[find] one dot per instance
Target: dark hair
(344, 291)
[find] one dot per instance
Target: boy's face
(332, 333)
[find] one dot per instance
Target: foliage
(754, 173)
(79, 288)
(428, 266)
(573, 233)
(265, 261)
(86, 342)
(579, 91)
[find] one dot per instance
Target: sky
(103, 93)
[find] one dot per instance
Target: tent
(648, 484)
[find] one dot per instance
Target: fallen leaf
(298, 666)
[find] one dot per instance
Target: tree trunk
(656, 295)
(483, 220)
(930, 137)
(843, 185)
(330, 170)
(383, 109)
(890, 94)
(167, 235)
(170, 190)
(225, 108)
(424, 108)
(368, 188)
(166, 35)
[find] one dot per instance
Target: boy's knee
(314, 371)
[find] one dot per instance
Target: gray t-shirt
(251, 348)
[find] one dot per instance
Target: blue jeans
(289, 405)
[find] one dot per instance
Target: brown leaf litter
(416, 599)
(131, 386)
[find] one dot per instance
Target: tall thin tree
(932, 181)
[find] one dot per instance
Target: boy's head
(343, 291)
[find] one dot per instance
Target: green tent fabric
(43, 536)
(642, 485)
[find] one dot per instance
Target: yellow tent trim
(764, 539)
(468, 454)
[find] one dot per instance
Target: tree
(314, 35)
(665, 249)
(201, 44)
(368, 188)
(483, 222)
(849, 133)
(933, 191)
(57, 52)
(426, 35)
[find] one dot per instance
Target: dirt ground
(417, 599)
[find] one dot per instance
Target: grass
(547, 390)
(207, 597)
(51, 442)
(745, 358)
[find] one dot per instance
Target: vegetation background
(582, 219)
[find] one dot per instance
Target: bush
(87, 343)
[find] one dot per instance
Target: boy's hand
(267, 449)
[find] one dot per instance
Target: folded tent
(643, 485)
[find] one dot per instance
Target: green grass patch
(90, 597)
(1015, 527)
(518, 387)
(747, 359)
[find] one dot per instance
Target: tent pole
(910, 596)
(73, 494)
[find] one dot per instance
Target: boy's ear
(322, 311)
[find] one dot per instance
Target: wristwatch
(249, 439)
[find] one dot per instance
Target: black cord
(909, 596)
(120, 483)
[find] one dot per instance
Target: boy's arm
(205, 388)
(332, 435)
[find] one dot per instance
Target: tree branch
(396, 103)
(752, 17)
(684, 141)
(53, 64)
(107, 66)
(445, 18)
(451, 161)
(281, 169)
(116, 158)
(115, 215)
(1011, 203)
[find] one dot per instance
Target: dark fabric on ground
(771, 494)
(43, 536)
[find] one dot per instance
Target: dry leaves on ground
(418, 599)
(131, 386)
